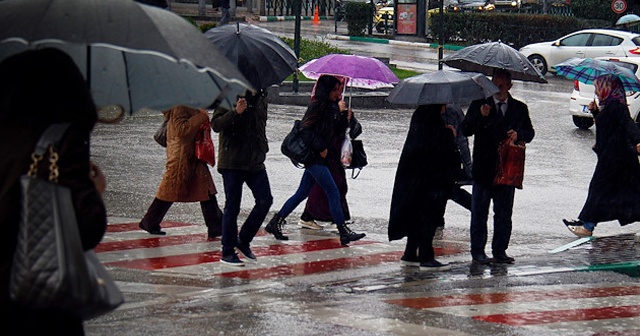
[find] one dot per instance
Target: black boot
(347, 236)
(275, 227)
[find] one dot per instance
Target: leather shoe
(568, 222)
(482, 259)
(503, 259)
(154, 231)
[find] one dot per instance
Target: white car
(585, 43)
(584, 93)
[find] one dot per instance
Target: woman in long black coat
(423, 183)
(614, 191)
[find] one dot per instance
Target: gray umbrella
(263, 58)
(487, 57)
(131, 54)
(442, 87)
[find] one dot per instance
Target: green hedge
(516, 30)
(358, 16)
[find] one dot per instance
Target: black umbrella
(131, 54)
(442, 87)
(487, 57)
(263, 58)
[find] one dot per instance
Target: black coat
(489, 131)
(614, 191)
(425, 171)
(321, 123)
(242, 140)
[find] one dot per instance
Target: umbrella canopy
(586, 70)
(487, 57)
(442, 87)
(263, 58)
(628, 19)
(131, 54)
(363, 72)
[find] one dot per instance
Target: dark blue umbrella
(263, 58)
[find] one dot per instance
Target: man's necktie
(500, 108)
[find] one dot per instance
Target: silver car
(585, 43)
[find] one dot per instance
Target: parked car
(584, 93)
(582, 44)
(470, 6)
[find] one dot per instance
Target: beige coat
(186, 178)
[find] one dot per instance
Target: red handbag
(205, 150)
(510, 164)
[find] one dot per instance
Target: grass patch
(315, 49)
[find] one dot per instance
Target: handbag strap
(48, 140)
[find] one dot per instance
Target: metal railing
(285, 7)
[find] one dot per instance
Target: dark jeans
(460, 196)
(481, 197)
(420, 234)
(316, 174)
(258, 183)
(158, 209)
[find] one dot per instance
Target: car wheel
(583, 122)
(539, 62)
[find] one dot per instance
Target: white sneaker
(333, 228)
(309, 225)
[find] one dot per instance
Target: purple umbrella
(363, 72)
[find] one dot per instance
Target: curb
(392, 42)
(289, 18)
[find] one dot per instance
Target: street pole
(441, 37)
(297, 11)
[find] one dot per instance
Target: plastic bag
(346, 152)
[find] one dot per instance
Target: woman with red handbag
(186, 178)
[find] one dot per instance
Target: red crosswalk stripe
(137, 258)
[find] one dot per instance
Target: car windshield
(636, 40)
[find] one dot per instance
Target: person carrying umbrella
(491, 121)
(317, 206)
(186, 178)
(242, 150)
(318, 125)
(614, 189)
(423, 184)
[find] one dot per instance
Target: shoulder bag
(358, 158)
(161, 134)
(295, 148)
(50, 270)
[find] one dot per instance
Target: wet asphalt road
(559, 165)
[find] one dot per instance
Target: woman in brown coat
(186, 178)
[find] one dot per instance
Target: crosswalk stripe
(528, 318)
(186, 250)
(532, 296)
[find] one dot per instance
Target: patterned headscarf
(609, 88)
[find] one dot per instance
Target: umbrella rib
(126, 67)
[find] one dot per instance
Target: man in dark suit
(491, 121)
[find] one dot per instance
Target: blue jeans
(481, 197)
(312, 174)
(258, 183)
